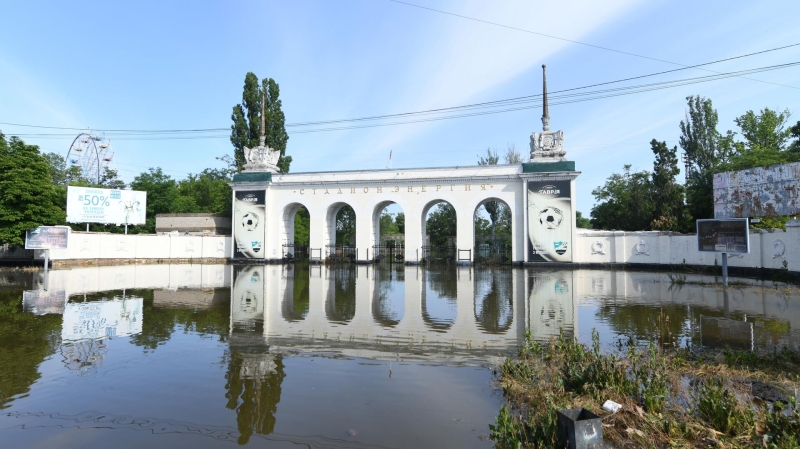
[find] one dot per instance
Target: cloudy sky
(153, 65)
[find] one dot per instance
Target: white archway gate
(415, 191)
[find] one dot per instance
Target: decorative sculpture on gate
(261, 158)
(547, 146)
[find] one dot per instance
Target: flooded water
(367, 356)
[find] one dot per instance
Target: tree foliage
(767, 141)
(581, 221)
(246, 117)
(441, 224)
(667, 193)
(29, 198)
(624, 202)
(162, 193)
(302, 227)
(346, 226)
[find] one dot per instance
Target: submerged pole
(724, 268)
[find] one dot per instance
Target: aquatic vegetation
(670, 396)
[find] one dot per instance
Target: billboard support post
(725, 269)
(87, 227)
(46, 266)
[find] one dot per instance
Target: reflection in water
(253, 388)
(494, 303)
(296, 298)
(256, 330)
(388, 305)
(440, 297)
(340, 306)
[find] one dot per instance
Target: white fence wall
(87, 246)
(768, 249)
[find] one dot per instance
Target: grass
(671, 397)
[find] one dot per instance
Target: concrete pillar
(465, 233)
(318, 231)
(365, 233)
(414, 233)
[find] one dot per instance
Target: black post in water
(46, 266)
(724, 268)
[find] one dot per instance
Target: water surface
(367, 356)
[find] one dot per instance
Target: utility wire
(566, 40)
(518, 104)
(460, 111)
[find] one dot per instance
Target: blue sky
(179, 65)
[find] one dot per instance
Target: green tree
(400, 221)
(441, 224)
(209, 191)
(512, 156)
(581, 221)
(766, 141)
(625, 202)
(302, 227)
(109, 179)
(63, 175)
(246, 127)
(794, 131)
(29, 198)
(388, 225)
(705, 148)
(667, 193)
(346, 226)
(495, 209)
(162, 193)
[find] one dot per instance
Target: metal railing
(389, 253)
(341, 254)
(435, 254)
(487, 253)
(295, 252)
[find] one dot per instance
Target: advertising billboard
(729, 235)
(107, 206)
(47, 237)
(549, 221)
(249, 217)
(758, 192)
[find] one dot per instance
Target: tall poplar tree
(246, 127)
(29, 198)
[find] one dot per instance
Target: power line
(567, 96)
(559, 97)
(600, 47)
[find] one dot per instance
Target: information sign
(728, 235)
(47, 237)
(107, 206)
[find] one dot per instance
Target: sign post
(727, 235)
(46, 238)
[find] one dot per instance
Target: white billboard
(107, 206)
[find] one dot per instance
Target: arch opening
(296, 232)
(388, 239)
(340, 245)
(493, 243)
(439, 230)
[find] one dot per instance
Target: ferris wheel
(93, 154)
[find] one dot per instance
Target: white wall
(768, 249)
(93, 245)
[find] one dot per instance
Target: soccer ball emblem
(250, 221)
(551, 217)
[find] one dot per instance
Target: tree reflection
(160, 321)
(26, 340)
(494, 310)
(443, 282)
(253, 389)
(296, 298)
(388, 306)
(341, 303)
(643, 322)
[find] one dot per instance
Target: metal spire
(263, 138)
(546, 112)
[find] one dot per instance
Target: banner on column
(249, 219)
(549, 221)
